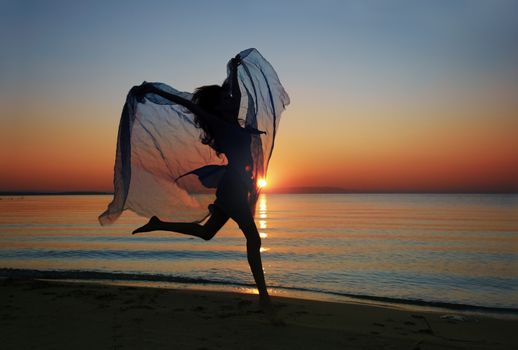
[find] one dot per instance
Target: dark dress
(232, 194)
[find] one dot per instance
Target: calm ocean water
(452, 249)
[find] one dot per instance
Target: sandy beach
(71, 315)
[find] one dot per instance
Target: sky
(392, 96)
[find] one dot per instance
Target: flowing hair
(207, 97)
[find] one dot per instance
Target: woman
(215, 111)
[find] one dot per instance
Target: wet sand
(66, 315)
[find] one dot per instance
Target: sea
(451, 251)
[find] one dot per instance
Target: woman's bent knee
(204, 232)
(207, 233)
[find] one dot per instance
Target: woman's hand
(235, 62)
(141, 90)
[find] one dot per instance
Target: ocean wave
(21, 274)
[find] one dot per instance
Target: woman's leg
(206, 231)
(253, 251)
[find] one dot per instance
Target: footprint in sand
(298, 313)
(244, 303)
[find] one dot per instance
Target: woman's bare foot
(266, 305)
(150, 226)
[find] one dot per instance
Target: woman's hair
(207, 97)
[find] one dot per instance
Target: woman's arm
(193, 107)
(232, 97)
(236, 92)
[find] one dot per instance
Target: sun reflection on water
(263, 207)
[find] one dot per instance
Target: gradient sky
(385, 95)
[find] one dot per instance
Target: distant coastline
(47, 193)
(283, 190)
(341, 190)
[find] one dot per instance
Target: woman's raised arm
(193, 107)
(236, 92)
(231, 86)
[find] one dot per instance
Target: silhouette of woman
(215, 110)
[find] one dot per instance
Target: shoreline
(176, 282)
(63, 315)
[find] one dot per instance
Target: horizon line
(285, 190)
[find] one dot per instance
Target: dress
(162, 169)
(237, 183)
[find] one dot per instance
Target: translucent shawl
(162, 168)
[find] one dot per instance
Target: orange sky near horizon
(352, 148)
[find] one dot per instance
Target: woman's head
(216, 100)
(213, 99)
(208, 97)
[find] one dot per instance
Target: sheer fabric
(161, 166)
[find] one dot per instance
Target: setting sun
(261, 183)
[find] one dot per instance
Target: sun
(261, 183)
